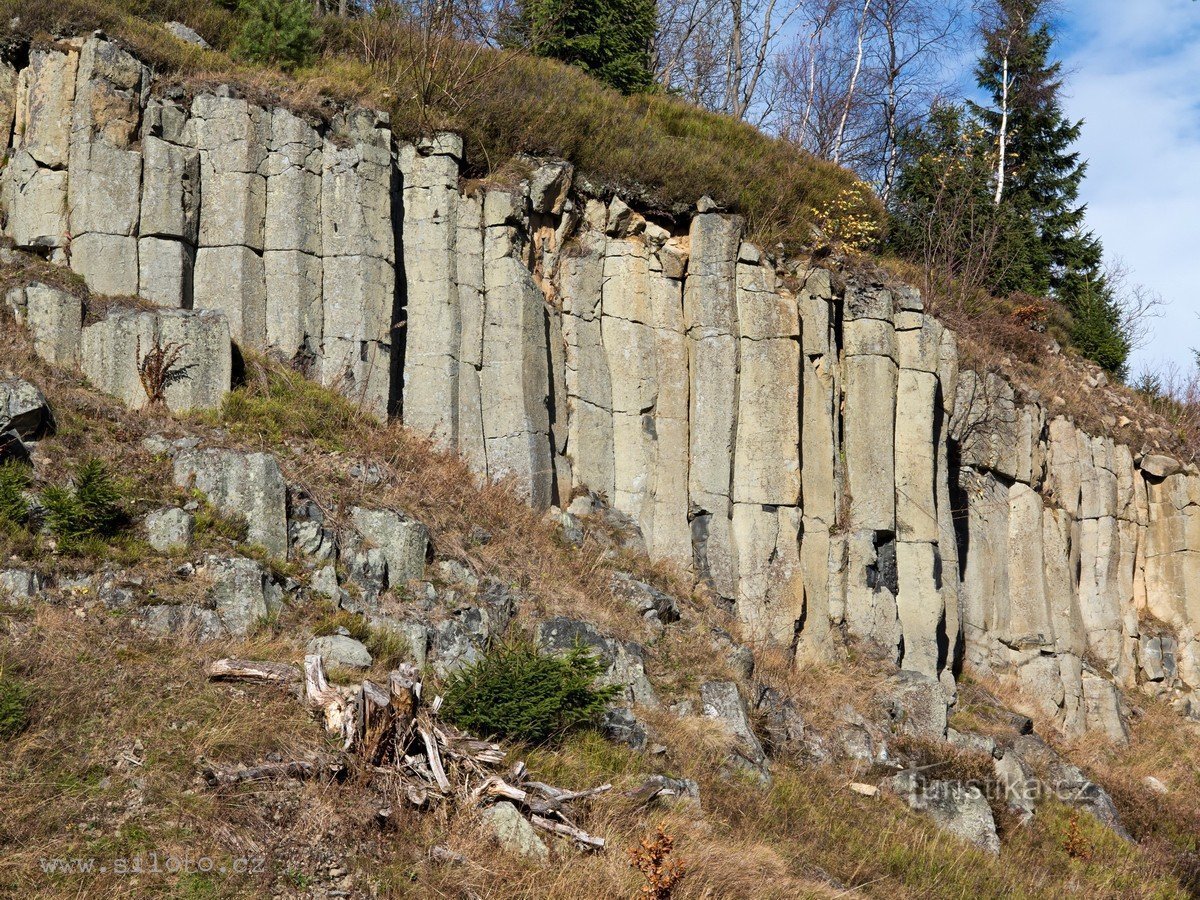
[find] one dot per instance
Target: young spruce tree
(609, 39)
(1038, 176)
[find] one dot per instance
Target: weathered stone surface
(114, 349)
(242, 593)
(959, 809)
(168, 529)
(54, 319)
(722, 701)
(165, 269)
(513, 832)
(186, 34)
(170, 205)
(108, 262)
(19, 584)
(45, 98)
(232, 281)
(401, 540)
(36, 201)
(23, 409)
(184, 622)
(918, 704)
(245, 485)
(514, 379)
(646, 599)
(340, 650)
(1103, 708)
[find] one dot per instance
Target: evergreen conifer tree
(609, 39)
(1038, 177)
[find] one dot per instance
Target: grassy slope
(103, 694)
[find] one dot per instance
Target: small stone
(1155, 785)
(513, 831)
(186, 34)
(866, 790)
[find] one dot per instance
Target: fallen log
(300, 770)
(257, 671)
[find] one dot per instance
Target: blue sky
(1133, 73)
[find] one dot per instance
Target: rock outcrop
(810, 453)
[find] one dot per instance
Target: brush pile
(412, 753)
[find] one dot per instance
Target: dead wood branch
(259, 672)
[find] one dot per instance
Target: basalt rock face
(810, 452)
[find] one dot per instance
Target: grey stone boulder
(23, 409)
(246, 485)
(54, 320)
(513, 832)
(341, 650)
(1102, 702)
(1068, 782)
(187, 622)
(650, 603)
(548, 186)
(186, 34)
(401, 541)
(242, 592)
(1159, 466)
(115, 350)
(1021, 788)
(782, 725)
(453, 646)
(621, 726)
(308, 538)
(916, 704)
(19, 584)
(414, 633)
(169, 528)
(623, 661)
(676, 791)
(722, 701)
(1159, 657)
(955, 808)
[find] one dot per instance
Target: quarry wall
(810, 452)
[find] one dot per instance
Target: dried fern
(160, 368)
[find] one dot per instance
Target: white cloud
(1133, 74)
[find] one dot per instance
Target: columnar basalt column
(169, 227)
(33, 186)
(232, 136)
(104, 183)
(766, 466)
(433, 316)
(514, 381)
(358, 250)
(292, 241)
(710, 313)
